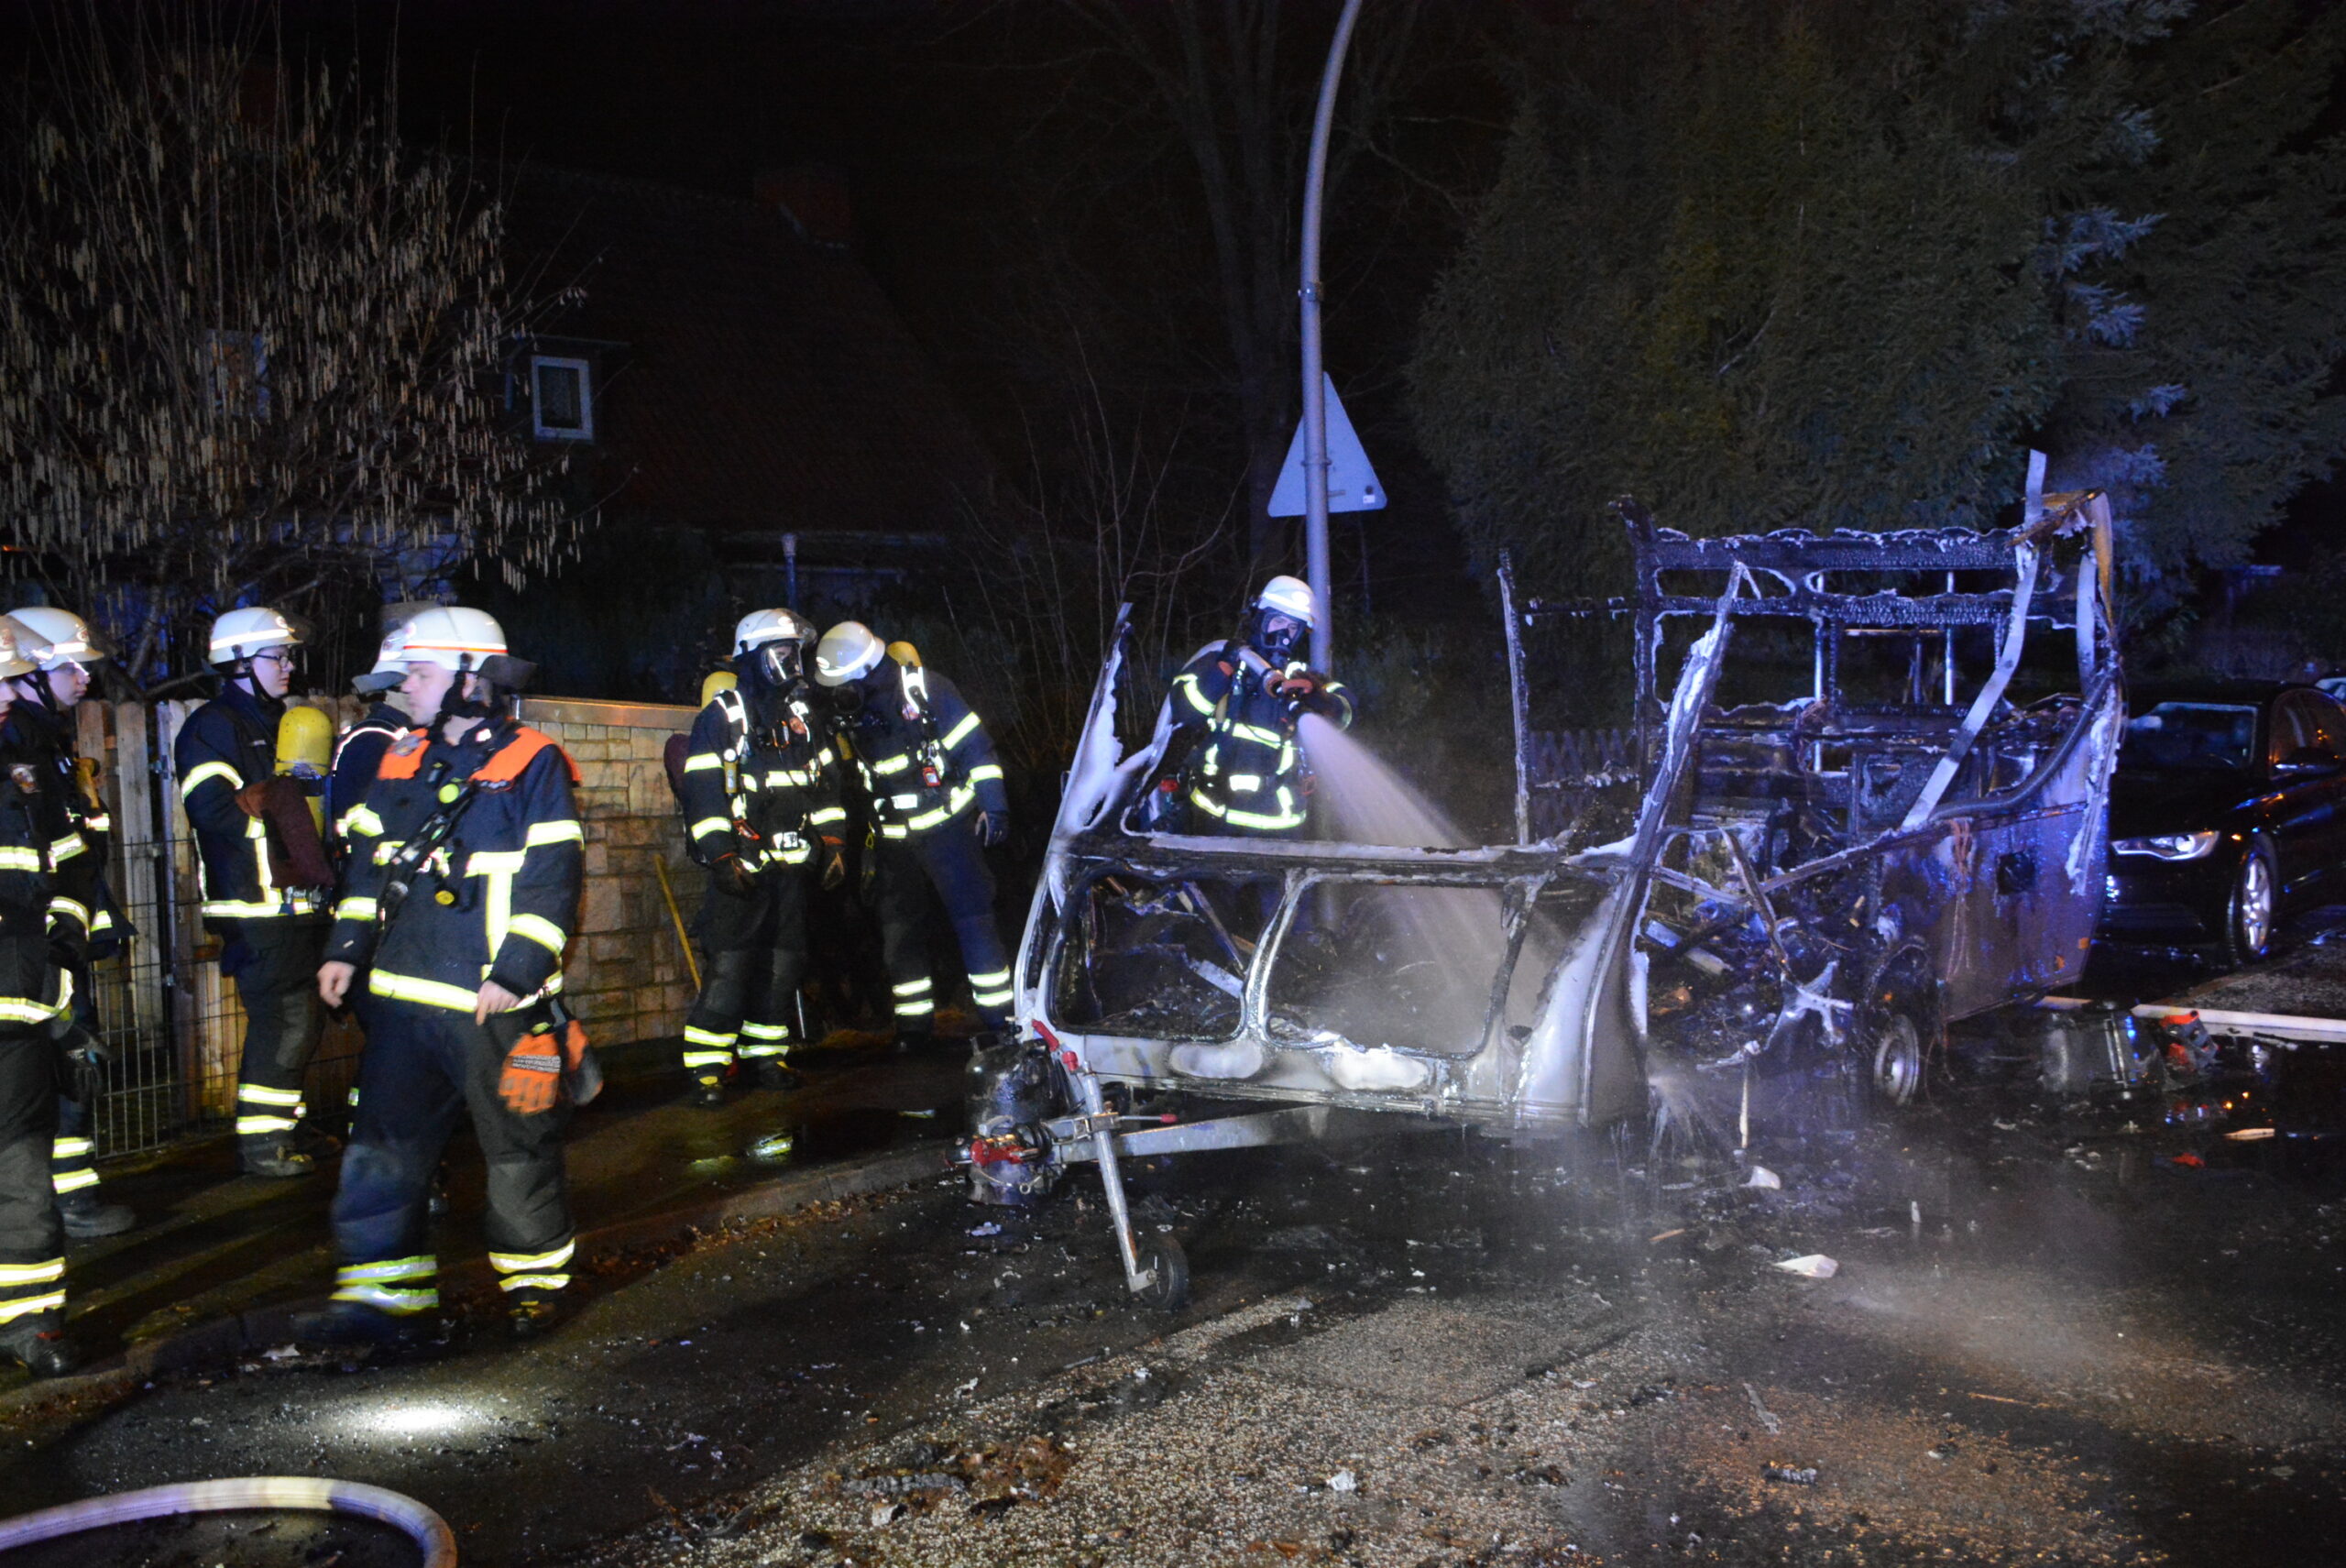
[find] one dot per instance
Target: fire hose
(427, 1529)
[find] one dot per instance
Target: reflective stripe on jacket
(744, 794)
(920, 730)
(227, 743)
(498, 901)
(1246, 770)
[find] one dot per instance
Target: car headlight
(2170, 846)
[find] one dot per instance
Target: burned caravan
(1830, 875)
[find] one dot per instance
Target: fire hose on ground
(243, 1493)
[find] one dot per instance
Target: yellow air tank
(904, 653)
(718, 681)
(306, 735)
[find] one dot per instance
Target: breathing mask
(1274, 635)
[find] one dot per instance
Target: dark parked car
(2228, 810)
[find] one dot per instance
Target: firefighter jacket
(356, 755)
(33, 734)
(759, 789)
(44, 913)
(1245, 769)
(485, 841)
(229, 742)
(923, 755)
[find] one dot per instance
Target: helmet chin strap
(482, 704)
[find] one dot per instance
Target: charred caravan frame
(1811, 888)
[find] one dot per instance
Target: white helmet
(13, 636)
(390, 665)
(1289, 595)
(58, 637)
(451, 637)
(241, 633)
(761, 627)
(847, 651)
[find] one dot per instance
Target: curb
(220, 1340)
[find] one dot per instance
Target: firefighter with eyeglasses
(1239, 767)
(44, 900)
(262, 865)
(62, 648)
(468, 860)
(937, 803)
(761, 791)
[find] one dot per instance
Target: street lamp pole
(1315, 401)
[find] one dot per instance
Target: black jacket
(32, 732)
(227, 743)
(498, 901)
(38, 925)
(923, 754)
(356, 757)
(746, 770)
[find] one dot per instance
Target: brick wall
(626, 973)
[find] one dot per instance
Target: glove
(253, 799)
(834, 865)
(85, 1058)
(733, 876)
(991, 828)
(534, 1068)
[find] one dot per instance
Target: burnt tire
(2253, 908)
(1169, 1291)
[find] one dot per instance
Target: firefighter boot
(37, 1341)
(269, 1155)
(708, 1092)
(356, 1324)
(532, 1314)
(775, 1073)
(86, 1216)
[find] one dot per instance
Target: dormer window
(562, 398)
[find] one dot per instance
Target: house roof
(752, 380)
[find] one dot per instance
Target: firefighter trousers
(755, 949)
(70, 1161)
(32, 1237)
(426, 1066)
(949, 859)
(275, 966)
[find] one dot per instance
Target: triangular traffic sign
(1351, 483)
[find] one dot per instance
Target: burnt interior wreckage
(1808, 885)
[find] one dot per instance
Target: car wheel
(1895, 1065)
(2253, 909)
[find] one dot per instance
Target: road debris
(1815, 1266)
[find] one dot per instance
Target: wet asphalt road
(2083, 1351)
(2051, 1337)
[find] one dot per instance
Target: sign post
(1315, 429)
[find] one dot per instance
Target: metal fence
(173, 1025)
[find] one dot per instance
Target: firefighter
(273, 932)
(937, 803)
(467, 863)
(1237, 706)
(761, 804)
(62, 648)
(359, 748)
(41, 944)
